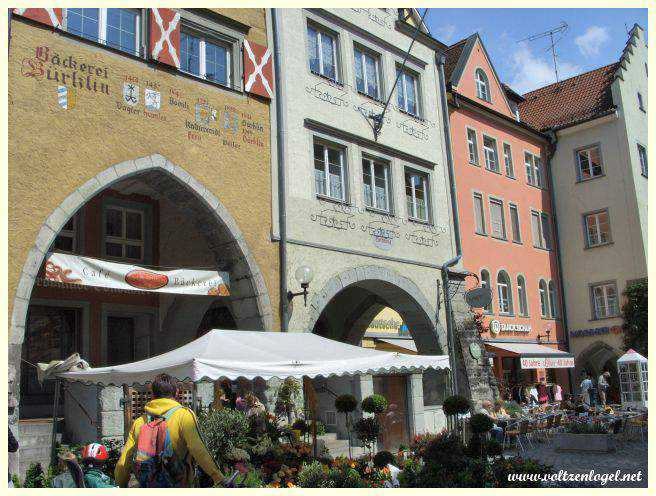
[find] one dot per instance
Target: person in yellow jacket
(183, 430)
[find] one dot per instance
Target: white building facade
(369, 214)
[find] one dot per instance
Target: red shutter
(50, 17)
(165, 36)
(258, 69)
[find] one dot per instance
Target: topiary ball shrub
(456, 405)
(367, 429)
(480, 423)
(383, 458)
(345, 403)
(375, 403)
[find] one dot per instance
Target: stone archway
(212, 219)
(362, 291)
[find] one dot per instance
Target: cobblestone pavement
(628, 458)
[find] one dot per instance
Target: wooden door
(394, 421)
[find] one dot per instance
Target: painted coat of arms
(66, 97)
(130, 93)
(152, 99)
(205, 114)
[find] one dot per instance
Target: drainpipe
(553, 140)
(450, 331)
(280, 155)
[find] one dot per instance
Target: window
(534, 172)
(376, 181)
(604, 300)
(479, 214)
(597, 229)
(367, 73)
(482, 85)
(588, 162)
(331, 418)
(329, 171)
(485, 283)
(472, 145)
(117, 28)
(497, 219)
(642, 154)
(641, 105)
(553, 300)
(124, 233)
(514, 224)
(67, 238)
(504, 292)
(491, 154)
(507, 160)
(541, 230)
(407, 92)
(521, 296)
(205, 57)
(416, 194)
(544, 299)
(322, 52)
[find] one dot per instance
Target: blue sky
(595, 38)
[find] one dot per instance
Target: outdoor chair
(638, 424)
(516, 431)
(557, 423)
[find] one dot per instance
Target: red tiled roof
(571, 101)
(453, 54)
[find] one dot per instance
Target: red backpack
(156, 464)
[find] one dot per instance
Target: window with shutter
(497, 221)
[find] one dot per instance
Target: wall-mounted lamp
(546, 334)
(304, 277)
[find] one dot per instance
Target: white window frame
(522, 290)
(479, 197)
(321, 32)
(489, 308)
(472, 145)
(534, 170)
(415, 82)
(364, 53)
(482, 85)
(543, 293)
(608, 312)
(505, 304)
(543, 242)
(494, 151)
(586, 151)
(500, 204)
(425, 179)
(508, 160)
(643, 157)
(592, 243)
(371, 162)
(342, 171)
(73, 234)
(202, 56)
(511, 207)
(122, 240)
(102, 28)
(553, 299)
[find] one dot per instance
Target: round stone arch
(598, 352)
(383, 287)
(195, 200)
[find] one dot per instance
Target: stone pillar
(416, 404)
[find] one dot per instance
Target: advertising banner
(85, 271)
(547, 362)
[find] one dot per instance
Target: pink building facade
(506, 222)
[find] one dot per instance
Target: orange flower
(352, 464)
(386, 470)
(289, 484)
(275, 484)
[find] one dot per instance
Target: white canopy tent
(252, 354)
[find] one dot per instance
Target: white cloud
(530, 71)
(591, 41)
(445, 33)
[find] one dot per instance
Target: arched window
(544, 299)
(485, 282)
(553, 300)
(521, 296)
(482, 85)
(504, 292)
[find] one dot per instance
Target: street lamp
(303, 275)
(546, 334)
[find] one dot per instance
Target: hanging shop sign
(85, 271)
(547, 362)
(478, 297)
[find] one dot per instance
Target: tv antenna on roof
(561, 30)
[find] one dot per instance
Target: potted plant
(455, 406)
(346, 403)
(588, 437)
